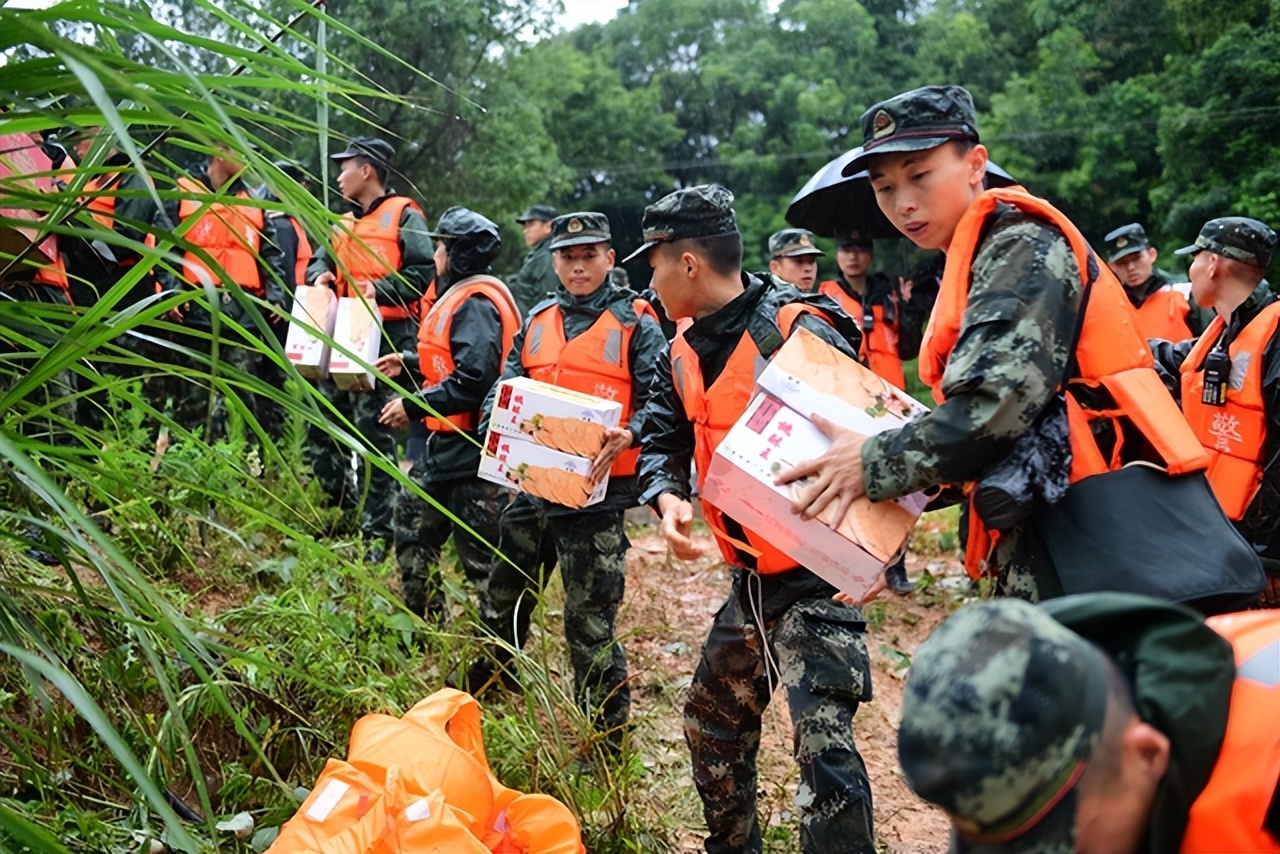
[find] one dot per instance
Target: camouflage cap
(791, 242)
(371, 148)
(537, 213)
(915, 121)
(459, 222)
(855, 237)
(1003, 707)
(702, 211)
(1236, 237)
(575, 229)
(1125, 240)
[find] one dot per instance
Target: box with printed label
(554, 417)
(519, 464)
(774, 434)
(314, 310)
(358, 329)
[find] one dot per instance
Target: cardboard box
(358, 329)
(519, 464)
(557, 418)
(314, 310)
(774, 434)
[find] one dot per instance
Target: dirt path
(669, 607)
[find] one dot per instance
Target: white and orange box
(558, 418)
(315, 310)
(357, 329)
(517, 463)
(775, 434)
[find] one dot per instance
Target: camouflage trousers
(592, 551)
(820, 651)
(421, 531)
(330, 461)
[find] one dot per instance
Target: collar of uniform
(361, 214)
(592, 304)
(723, 328)
(1248, 310)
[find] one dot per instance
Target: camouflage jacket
(648, 344)
(1261, 522)
(536, 279)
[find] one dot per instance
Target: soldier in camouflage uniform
(1013, 340)
(1132, 257)
(536, 280)
(474, 333)
(1097, 723)
(781, 627)
(793, 257)
(591, 542)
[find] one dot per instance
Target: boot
(896, 576)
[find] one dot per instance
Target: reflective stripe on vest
(1110, 353)
(368, 249)
(435, 350)
(595, 362)
(879, 349)
(230, 233)
(1227, 817)
(1164, 314)
(713, 411)
(1233, 434)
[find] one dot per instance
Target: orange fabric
(305, 252)
(101, 205)
(1164, 314)
(368, 249)
(713, 411)
(596, 362)
(879, 349)
(54, 274)
(435, 350)
(1227, 817)
(1232, 435)
(1111, 353)
(422, 783)
(230, 233)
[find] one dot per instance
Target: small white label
(418, 810)
(323, 805)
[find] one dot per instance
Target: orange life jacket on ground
(1110, 353)
(1227, 817)
(230, 233)
(368, 249)
(435, 351)
(879, 349)
(1232, 435)
(422, 783)
(1164, 313)
(596, 362)
(713, 411)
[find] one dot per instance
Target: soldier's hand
(904, 288)
(325, 280)
(616, 440)
(677, 526)
(837, 475)
(175, 314)
(391, 364)
(393, 414)
(368, 290)
(1271, 593)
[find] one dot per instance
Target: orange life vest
(879, 349)
(596, 362)
(713, 411)
(368, 249)
(435, 350)
(230, 233)
(1227, 817)
(100, 204)
(54, 274)
(1110, 353)
(1233, 434)
(1164, 313)
(305, 252)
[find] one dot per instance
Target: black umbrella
(830, 204)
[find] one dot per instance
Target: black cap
(1236, 237)
(537, 213)
(577, 229)
(918, 120)
(702, 211)
(855, 237)
(1125, 240)
(377, 151)
(293, 170)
